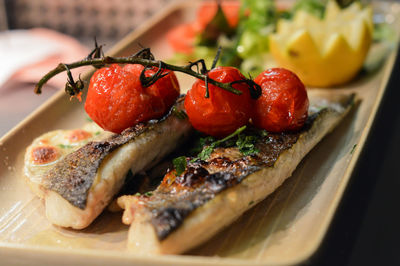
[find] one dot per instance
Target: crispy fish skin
(175, 218)
(53, 146)
(73, 177)
(81, 185)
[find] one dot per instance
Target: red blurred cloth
(29, 54)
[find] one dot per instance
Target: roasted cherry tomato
(283, 105)
(223, 112)
(116, 99)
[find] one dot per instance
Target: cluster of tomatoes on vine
(117, 100)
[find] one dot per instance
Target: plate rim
(328, 218)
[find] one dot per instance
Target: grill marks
(178, 196)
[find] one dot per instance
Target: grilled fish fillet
(79, 186)
(186, 210)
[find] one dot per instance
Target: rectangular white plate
(286, 228)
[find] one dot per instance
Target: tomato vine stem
(143, 57)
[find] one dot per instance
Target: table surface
(365, 230)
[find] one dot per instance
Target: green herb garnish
(208, 149)
(244, 140)
(179, 164)
(148, 194)
(246, 144)
(352, 149)
(200, 143)
(181, 114)
(64, 146)
(205, 153)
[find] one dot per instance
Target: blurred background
(108, 20)
(36, 35)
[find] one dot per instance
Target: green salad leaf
(315, 7)
(257, 21)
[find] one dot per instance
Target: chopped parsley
(246, 144)
(243, 138)
(181, 114)
(64, 146)
(179, 164)
(200, 143)
(205, 153)
(244, 141)
(148, 194)
(208, 148)
(352, 149)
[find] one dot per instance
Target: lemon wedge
(324, 52)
